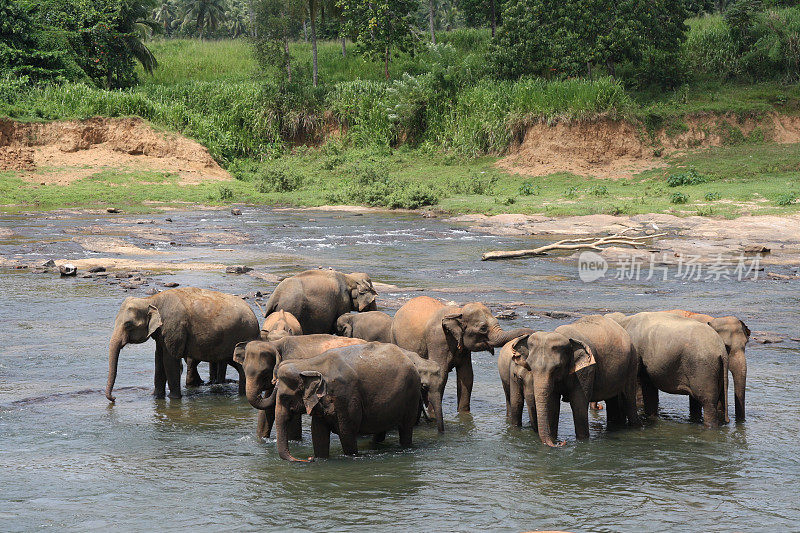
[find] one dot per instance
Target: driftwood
(588, 243)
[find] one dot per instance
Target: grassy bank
(428, 137)
(726, 181)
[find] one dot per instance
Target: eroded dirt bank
(607, 148)
(64, 151)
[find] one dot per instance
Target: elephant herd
(367, 373)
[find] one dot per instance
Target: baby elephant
(370, 326)
(364, 389)
(279, 324)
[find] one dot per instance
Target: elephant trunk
(253, 393)
(498, 337)
(543, 392)
(737, 364)
(435, 401)
(282, 418)
(114, 347)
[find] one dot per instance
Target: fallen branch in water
(588, 243)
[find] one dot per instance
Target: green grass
(754, 179)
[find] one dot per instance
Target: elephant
(589, 360)
(370, 326)
(365, 389)
(185, 322)
(521, 381)
(280, 324)
(318, 297)
(430, 375)
(216, 372)
(447, 335)
(679, 355)
(734, 334)
(259, 359)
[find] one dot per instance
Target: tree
(275, 21)
(23, 55)
(166, 14)
(480, 12)
(133, 25)
(205, 15)
(380, 27)
(431, 19)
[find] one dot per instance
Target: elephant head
(474, 328)
(362, 294)
(735, 334)
(280, 324)
(344, 325)
(298, 391)
(556, 364)
(137, 320)
(258, 358)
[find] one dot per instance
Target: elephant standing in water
(318, 297)
(259, 359)
(679, 355)
(280, 324)
(365, 389)
(370, 326)
(735, 334)
(447, 335)
(589, 360)
(185, 322)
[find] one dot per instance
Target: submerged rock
(67, 269)
(237, 269)
(236, 212)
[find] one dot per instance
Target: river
(69, 460)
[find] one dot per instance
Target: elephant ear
(583, 366)
(347, 330)
(745, 329)
(154, 320)
(519, 352)
(453, 326)
(314, 389)
(363, 296)
(239, 352)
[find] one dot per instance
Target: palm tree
(204, 14)
(134, 25)
(166, 14)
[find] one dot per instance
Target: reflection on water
(69, 459)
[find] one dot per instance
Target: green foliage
(786, 199)
(278, 180)
(225, 192)
(598, 190)
(712, 196)
(690, 177)
(572, 192)
(380, 28)
(477, 183)
(371, 185)
(575, 37)
(678, 198)
(529, 189)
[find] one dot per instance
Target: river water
(70, 460)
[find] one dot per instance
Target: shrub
(278, 180)
(371, 185)
(225, 192)
(572, 192)
(474, 184)
(786, 199)
(690, 177)
(679, 198)
(598, 190)
(529, 189)
(712, 196)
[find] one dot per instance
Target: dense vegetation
(458, 92)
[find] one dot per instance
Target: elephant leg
(320, 437)
(515, 402)
(695, 409)
(348, 424)
(377, 438)
(193, 378)
(349, 441)
(738, 367)
(554, 414)
(649, 396)
(173, 367)
(242, 379)
(530, 401)
(580, 412)
(296, 427)
(464, 379)
(264, 424)
(628, 401)
(614, 413)
(159, 376)
(711, 412)
(406, 433)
